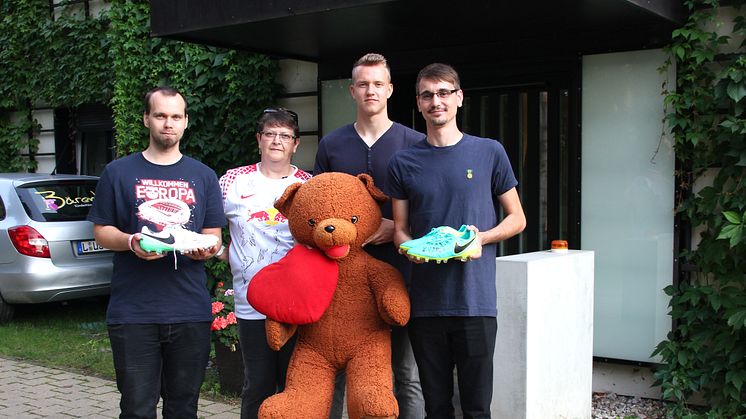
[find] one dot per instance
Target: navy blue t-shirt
(342, 150)
(133, 193)
(451, 186)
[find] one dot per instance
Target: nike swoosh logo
(457, 248)
(247, 196)
(168, 240)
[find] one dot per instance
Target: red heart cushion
(296, 289)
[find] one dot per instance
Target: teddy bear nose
(329, 228)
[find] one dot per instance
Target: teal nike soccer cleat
(435, 234)
(445, 245)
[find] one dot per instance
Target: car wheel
(6, 311)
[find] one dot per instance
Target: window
(96, 150)
(58, 201)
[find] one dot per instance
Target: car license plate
(89, 246)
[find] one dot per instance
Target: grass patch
(72, 336)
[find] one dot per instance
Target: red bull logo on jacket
(270, 216)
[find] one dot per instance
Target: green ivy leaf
(683, 358)
(735, 75)
(736, 355)
(716, 302)
(732, 217)
(683, 32)
(737, 320)
(679, 51)
(736, 91)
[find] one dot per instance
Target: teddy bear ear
(376, 193)
(284, 202)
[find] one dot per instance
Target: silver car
(47, 250)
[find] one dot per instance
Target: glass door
(532, 123)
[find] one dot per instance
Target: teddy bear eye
(312, 222)
(354, 219)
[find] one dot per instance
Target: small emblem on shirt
(469, 174)
(270, 217)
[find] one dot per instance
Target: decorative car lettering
(54, 202)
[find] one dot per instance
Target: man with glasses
(453, 179)
(260, 235)
(159, 314)
(366, 146)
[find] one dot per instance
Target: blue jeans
(166, 360)
(406, 380)
(466, 343)
(264, 370)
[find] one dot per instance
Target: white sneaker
(175, 238)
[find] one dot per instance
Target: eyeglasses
(442, 93)
(287, 111)
(270, 136)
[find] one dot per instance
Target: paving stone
(214, 408)
(31, 391)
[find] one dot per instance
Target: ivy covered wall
(60, 63)
(706, 351)
(111, 59)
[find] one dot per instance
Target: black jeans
(468, 343)
(166, 360)
(264, 370)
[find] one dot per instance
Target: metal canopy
(327, 30)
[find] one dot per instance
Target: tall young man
(159, 311)
(453, 179)
(366, 146)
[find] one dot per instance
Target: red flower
(224, 324)
(215, 324)
(219, 323)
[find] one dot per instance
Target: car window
(2, 209)
(68, 200)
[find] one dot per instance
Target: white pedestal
(544, 349)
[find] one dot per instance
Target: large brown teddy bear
(335, 213)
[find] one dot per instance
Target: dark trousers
(467, 343)
(166, 360)
(264, 370)
(406, 377)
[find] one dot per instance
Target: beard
(164, 142)
(439, 120)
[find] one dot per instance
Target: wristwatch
(220, 252)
